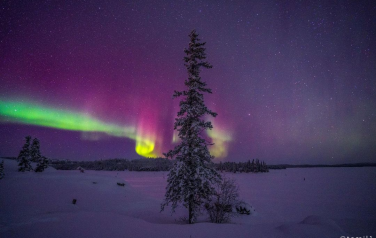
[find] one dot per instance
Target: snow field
(312, 202)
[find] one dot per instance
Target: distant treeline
(162, 164)
(255, 166)
(285, 166)
(158, 164)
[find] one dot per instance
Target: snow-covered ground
(310, 202)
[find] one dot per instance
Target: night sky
(293, 81)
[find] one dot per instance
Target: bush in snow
(243, 210)
(223, 202)
(2, 169)
(24, 157)
(81, 170)
(192, 178)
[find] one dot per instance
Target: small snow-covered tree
(35, 151)
(192, 178)
(42, 164)
(24, 157)
(2, 174)
(25, 151)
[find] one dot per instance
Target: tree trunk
(190, 211)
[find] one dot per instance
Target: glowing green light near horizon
(33, 114)
(221, 140)
(146, 130)
(146, 148)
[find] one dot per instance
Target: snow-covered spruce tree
(42, 164)
(192, 178)
(25, 151)
(2, 174)
(35, 151)
(24, 157)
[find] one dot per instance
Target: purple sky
(293, 81)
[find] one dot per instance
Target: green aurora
(38, 115)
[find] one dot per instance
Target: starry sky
(293, 81)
